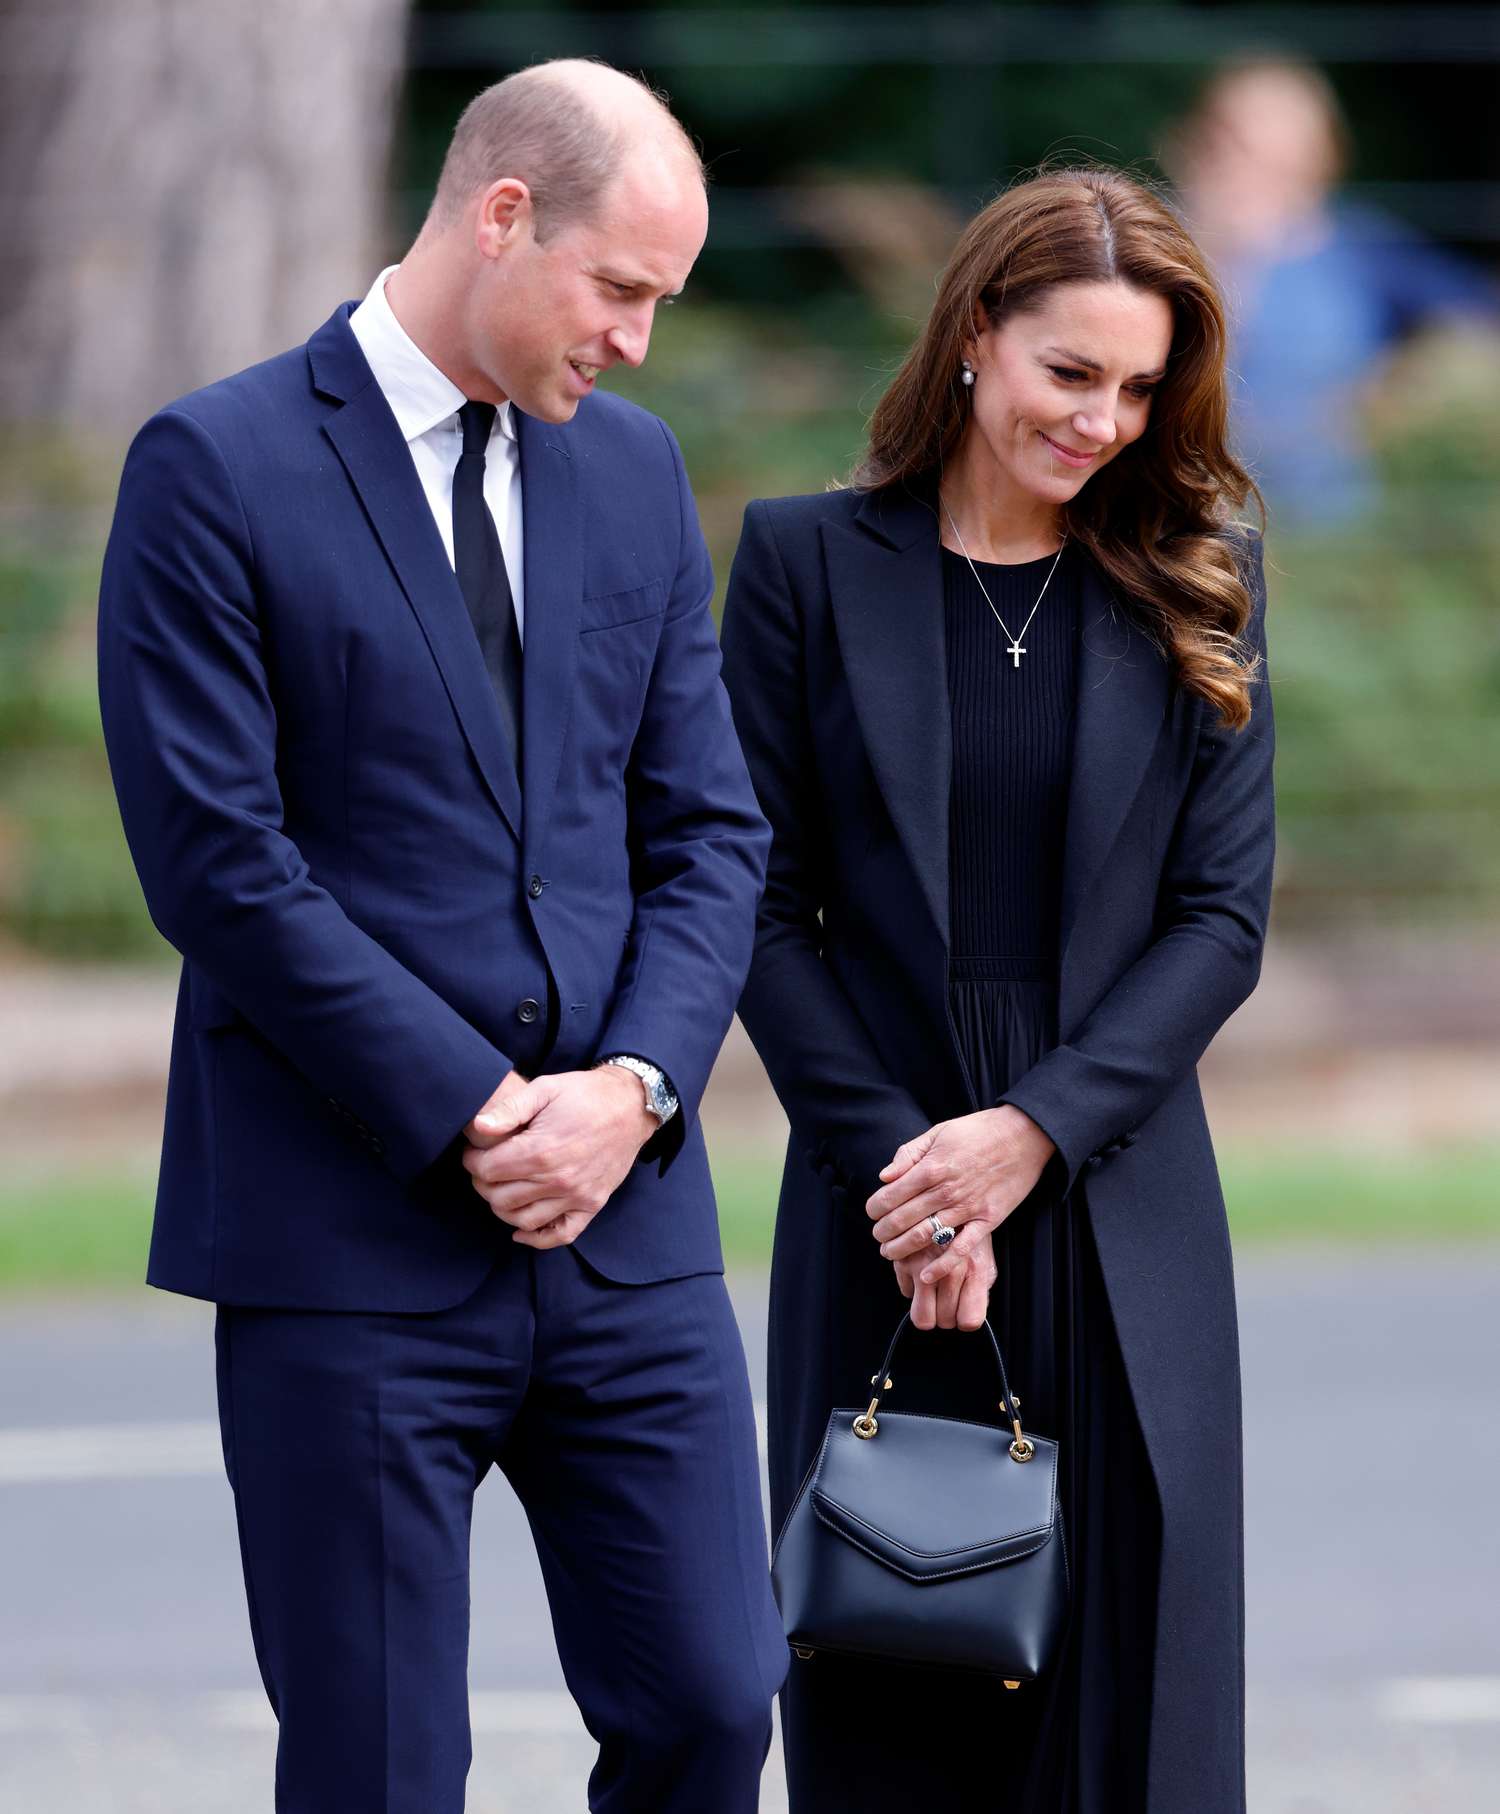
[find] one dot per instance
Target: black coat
(834, 660)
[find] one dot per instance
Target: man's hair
(541, 129)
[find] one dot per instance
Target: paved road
(127, 1684)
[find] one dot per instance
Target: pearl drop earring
(968, 372)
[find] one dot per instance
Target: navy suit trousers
(621, 1416)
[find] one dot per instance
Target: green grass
(1308, 1194)
(1300, 1194)
(74, 1230)
(87, 1231)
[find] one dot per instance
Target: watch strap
(661, 1098)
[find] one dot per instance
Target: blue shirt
(1308, 333)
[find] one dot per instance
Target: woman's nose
(1097, 426)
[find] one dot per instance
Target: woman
(1004, 705)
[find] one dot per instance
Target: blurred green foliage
(66, 885)
(1385, 642)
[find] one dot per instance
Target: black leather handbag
(922, 1539)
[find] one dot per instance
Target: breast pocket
(619, 610)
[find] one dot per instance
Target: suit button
(527, 1011)
(534, 887)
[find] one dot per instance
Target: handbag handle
(1021, 1448)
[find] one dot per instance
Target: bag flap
(932, 1497)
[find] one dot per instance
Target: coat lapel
(379, 464)
(1120, 714)
(885, 581)
(886, 584)
(553, 564)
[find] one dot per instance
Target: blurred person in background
(458, 919)
(1319, 291)
(1005, 705)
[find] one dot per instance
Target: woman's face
(1063, 388)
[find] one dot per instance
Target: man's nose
(629, 340)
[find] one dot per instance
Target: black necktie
(481, 572)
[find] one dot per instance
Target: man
(412, 702)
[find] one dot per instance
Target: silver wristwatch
(661, 1098)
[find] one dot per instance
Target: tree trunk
(189, 185)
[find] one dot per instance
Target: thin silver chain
(1014, 650)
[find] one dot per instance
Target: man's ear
(504, 215)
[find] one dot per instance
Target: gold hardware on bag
(802, 1651)
(866, 1426)
(1008, 1684)
(1022, 1449)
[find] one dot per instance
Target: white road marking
(247, 1710)
(1442, 1700)
(520, 1712)
(551, 1713)
(133, 1451)
(119, 1451)
(20, 1713)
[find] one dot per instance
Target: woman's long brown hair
(1158, 517)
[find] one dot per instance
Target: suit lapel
(1120, 715)
(553, 563)
(379, 464)
(885, 581)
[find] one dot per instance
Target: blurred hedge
(1385, 641)
(66, 885)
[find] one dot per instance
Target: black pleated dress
(871, 1738)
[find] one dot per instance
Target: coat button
(534, 887)
(527, 1011)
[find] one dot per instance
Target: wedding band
(942, 1234)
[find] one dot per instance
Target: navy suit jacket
(377, 922)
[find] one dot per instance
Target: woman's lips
(1067, 454)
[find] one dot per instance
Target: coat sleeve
(191, 731)
(698, 847)
(1092, 1092)
(832, 1082)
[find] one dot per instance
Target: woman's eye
(1067, 373)
(1144, 391)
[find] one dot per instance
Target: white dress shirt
(426, 405)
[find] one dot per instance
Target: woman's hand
(961, 1300)
(970, 1172)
